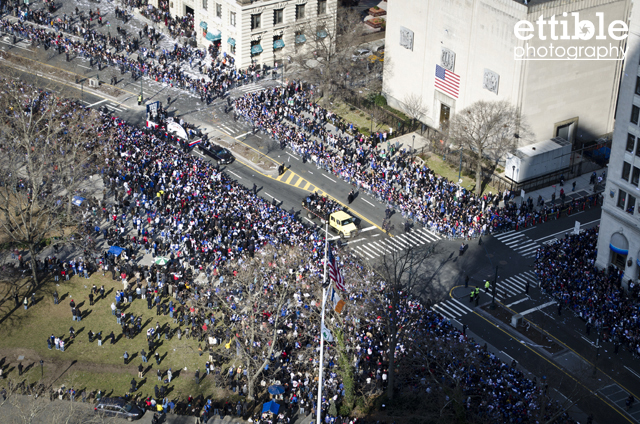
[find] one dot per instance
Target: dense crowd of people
(290, 116)
(566, 269)
(210, 73)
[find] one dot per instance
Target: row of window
(626, 202)
(278, 14)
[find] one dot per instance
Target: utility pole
(413, 149)
(460, 168)
(495, 286)
(595, 363)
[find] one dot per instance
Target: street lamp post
(41, 368)
(495, 286)
(595, 363)
(413, 143)
(513, 172)
(371, 130)
(460, 168)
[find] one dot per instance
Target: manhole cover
(503, 262)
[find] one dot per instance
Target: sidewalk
(461, 293)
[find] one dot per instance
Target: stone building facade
(259, 32)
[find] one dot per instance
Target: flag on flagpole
(334, 272)
(336, 301)
(327, 334)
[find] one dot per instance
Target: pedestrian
(99, 337)
(20, 368)
(61, 345)
(140, 370)
(126, 357)
(90, 299)
(473, 292)
(90, 334)
(143, 354)
(588, 328)
(255, 188)
(197, 377)
(159, 374)
(25, 302)
(464, 329)
(526, 287)
(157, 355)
(574, 186)
(466, 281)
(350, 196)
(134, 385)
(169, 375)
(55, 297)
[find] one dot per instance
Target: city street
(569, 369)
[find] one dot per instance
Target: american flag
(447, 81)
(334, 272)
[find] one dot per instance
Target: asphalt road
(512, 253)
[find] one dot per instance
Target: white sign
(576, 228)
(584, 35)
(175, 128)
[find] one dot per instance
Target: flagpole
(324, 301)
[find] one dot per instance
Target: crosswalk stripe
(464, 307)
(414, 238)
(363, 252)
(400, 242)
(377, 249)
(434, 235)
(430, 237)
(385, 248)
(533, 248)
(515, 242)
(300, 181)
(499, 236)
(373, 253)
(290, 178)
(307, 186)
(456, 308)
(511, 238)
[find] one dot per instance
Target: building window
(622, 197)
(635, 113)
(631, 141)
(255, 20)
(278, 43)
(300, 11)
(204, 4)
(232, 48)
(631, 205)
(637, 85)
(638, 150)
(619, 260)
(232, 19)
(278, 16)
(322, 10)
(635, 176)
(219, 10)
(626, 170)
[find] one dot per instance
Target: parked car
(217, 153)
(117, 407)
(360, 54)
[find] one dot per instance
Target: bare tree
(414, 107)
(487, 128)
(258, 334)
(47, 154)
(401, 279)
(326, 61)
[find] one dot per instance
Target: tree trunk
(34, 267)
(478, 189)
(393, 340)
(250, 381)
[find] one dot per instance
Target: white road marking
(364, 230)
(537, 308)
(85, 67)
(242, 135)
(567, 230)
(97, 103)
(364, 200)
(331, 179)
(293, 156)
(631, 371)
(231, 172)
(517, 301)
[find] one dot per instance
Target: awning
(257, 49)
(321, 33)
(77, 200)
(212, 36)
(115, 250)
(278, 44)
(203, 25)
(231, 41)
(300, 39)
(619, 244)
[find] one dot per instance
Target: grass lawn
(450, 172)
(84, 364)
(359, 118)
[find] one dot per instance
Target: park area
(85, 365)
